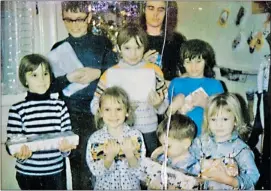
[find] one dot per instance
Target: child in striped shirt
(39, 114)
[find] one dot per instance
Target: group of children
(207, 127)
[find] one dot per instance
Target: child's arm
(64, 145)
(110, 150)
(84, 75)
(248, 172)
(101, 86)
(158, 151)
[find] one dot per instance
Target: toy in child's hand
(151, 172)
(229, 164)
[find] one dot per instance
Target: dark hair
(195, 48)
(76, 6)
(30, 63)
(132, 30)
(121, 97)
(181, 127)
(172, 18)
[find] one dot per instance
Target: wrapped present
(229, 164)
(133, 80)
(35, 142)
(187, 107)
(97, 149)
(150, 170)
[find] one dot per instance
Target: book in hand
(150, 170)
(35, 142)
(63, 61)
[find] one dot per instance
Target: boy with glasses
(96, 55)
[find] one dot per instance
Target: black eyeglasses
(79, 20)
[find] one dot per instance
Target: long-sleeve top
(94, 52)
(145, 114)
(188, 85)
(39, 114)
(119, 176)
(189, 165)
(206, 146)
(171, 53)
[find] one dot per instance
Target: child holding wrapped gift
(182, 131)
(114, 152)
(198, 60)
(38, 114)
(132, 42)
(222, 143)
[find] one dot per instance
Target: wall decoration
(236, 41)
(240, 16)
(223, 18)
(256, 42)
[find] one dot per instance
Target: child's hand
(84, 75)
(155, 99)
(177, 103)
(199, 99)
(111, 149)
(65, 146)
(24, 153)
(218, 173)
(158, 151)
(155, 184)
(128, 147)
(150, 56)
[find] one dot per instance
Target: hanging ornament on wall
(255, 42)
(240, 16)
(237, 40)
(223, 18)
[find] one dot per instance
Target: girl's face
(195, 67)
(155, 12)
(113, 112)
(132, 51)
(222, 124)
(175, 147)
(38, 81)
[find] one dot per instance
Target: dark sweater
(171, 55)
(94, 52)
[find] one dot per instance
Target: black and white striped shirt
(39, 114)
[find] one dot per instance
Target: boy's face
(76, 23)
(155, 13)
(195, 67)
(132, 51)
(38, 81)
(175, 147)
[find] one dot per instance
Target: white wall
(199, 20)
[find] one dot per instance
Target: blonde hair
(119, 95)
(231, 103)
